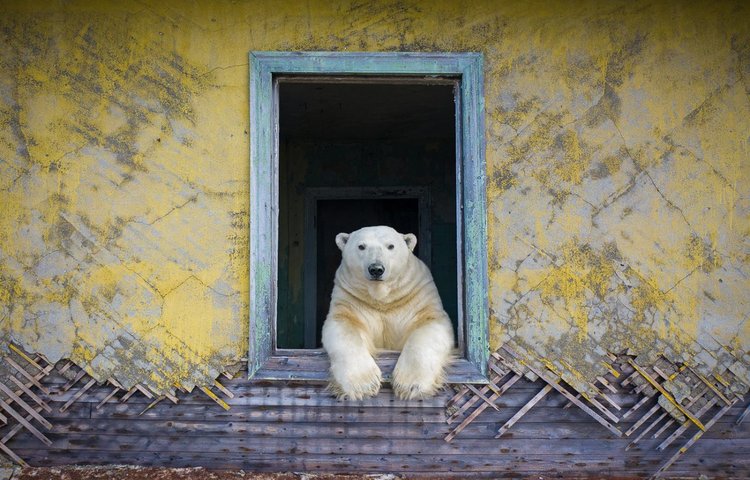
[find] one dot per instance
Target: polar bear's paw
(412, 385)
(355, 380)
(417, 390)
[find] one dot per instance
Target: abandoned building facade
(173, 175)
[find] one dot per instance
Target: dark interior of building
(353, 154)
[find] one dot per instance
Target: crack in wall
(669, 202)
(192, 199)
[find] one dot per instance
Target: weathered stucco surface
(617, 159)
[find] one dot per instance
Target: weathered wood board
(285, 426)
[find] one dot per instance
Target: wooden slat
(31, 428)
(151, 405)
(515, 418)
(108, 429)
(78, 394)
(667, 395)
(607, 385)
(145, 391)
(78, 376)
(171, 398)
(461, 392)
(682, 428)
(31, 394)
(481, 408)
(635, 407)
(26, 374)
(642, 420)
(605, 397)
(435, 447)
(108, 397)
(23, 355)
(646, 430)
(19, 401)
(603, 410)
(713, 388)
(216, 399)
(691, 401)
(66, 366)
(694, 439)
(629, 379)
(17, 428)
(129, 394)
(10, 453)
(743, 415)
(481, 396)
(664, 427)
(498, 391)
(578, 403)
(223, 389)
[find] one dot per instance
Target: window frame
(267, 362)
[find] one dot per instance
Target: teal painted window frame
(265, 361)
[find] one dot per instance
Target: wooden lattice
(658, 411)
(24, 378)
(23, 393)
(666, 403)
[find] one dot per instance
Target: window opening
(323, 155)
(353, 155)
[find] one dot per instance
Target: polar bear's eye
(390, 247)
(361, 246)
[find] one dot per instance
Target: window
(343, 140)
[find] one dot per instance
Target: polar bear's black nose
(376, 270)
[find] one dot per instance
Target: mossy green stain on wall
(617, 159)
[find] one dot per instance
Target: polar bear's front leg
(354, 373)
(419, 372)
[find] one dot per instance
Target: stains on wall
(617, 163)
(118, 220)
(626, 228)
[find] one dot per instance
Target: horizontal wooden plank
(311, 396)
(381, 444)
(354, 430)
(168, 411)
(316, 367)
(316, 396)
(498, 465)
(277, 414)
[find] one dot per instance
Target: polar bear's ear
(341, 240)
(411, 241)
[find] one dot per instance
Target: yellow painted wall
(618, 136)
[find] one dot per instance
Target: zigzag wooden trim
(23, 398)
(707, 401)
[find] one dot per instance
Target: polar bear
(384, 297)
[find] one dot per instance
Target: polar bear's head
(376, 254)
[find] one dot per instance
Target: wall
(617, 159)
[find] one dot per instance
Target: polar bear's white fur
(384, 297)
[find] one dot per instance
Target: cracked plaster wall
(617, 162)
